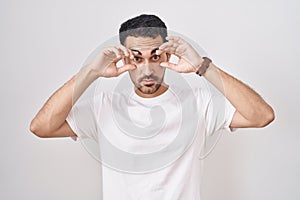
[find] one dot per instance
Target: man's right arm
(50, 121)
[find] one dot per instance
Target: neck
(158, 92)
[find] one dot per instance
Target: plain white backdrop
(43, 43)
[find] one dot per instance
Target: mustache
(155, 78)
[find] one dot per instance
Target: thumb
(168, 65)
(130, 66)
(125, 68)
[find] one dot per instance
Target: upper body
(161, 151)
(145, 57)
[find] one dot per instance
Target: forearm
(246, 101)
(55, 111)
(252, 110)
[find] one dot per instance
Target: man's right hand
(105, 63)
(50, 121)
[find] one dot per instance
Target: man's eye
(156, 57)
(137, 59)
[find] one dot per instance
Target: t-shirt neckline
(164, 96)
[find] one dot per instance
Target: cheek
(161, 70)
(134, 74)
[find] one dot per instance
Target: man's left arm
(251, 109)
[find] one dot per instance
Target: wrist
(200, 61)
(204, 65)
(90, 73)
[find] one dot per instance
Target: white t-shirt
(150, 147)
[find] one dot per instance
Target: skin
(148, 77)
(145, 59)
(251, 109)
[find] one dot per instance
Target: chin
(149, 89)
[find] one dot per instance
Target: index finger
(124, 50)
(168, 47)
(159, 52)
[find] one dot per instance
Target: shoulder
(197, 92)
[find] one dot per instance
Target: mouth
(148, 82)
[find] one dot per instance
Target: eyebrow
(152, 52)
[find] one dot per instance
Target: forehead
(143, 43)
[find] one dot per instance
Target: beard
(149, 88)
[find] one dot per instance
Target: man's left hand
(189, 59)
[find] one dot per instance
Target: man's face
(149, 75)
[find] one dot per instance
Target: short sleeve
(82, 119)
(217, 110)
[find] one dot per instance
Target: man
(145, 51)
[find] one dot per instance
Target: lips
(148, 81)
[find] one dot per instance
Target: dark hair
(143, 25)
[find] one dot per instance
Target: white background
(43, 43)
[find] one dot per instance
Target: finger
(159, 52)
(134, 53)
(168, 49)
(176, 39)
(131, 55)
(174, 44)
(168, 65)
(126, 60)
(121, 53)
(124, 50)
(116, 52)
(166, 44)
(125, 68)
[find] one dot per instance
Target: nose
(147, 70)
